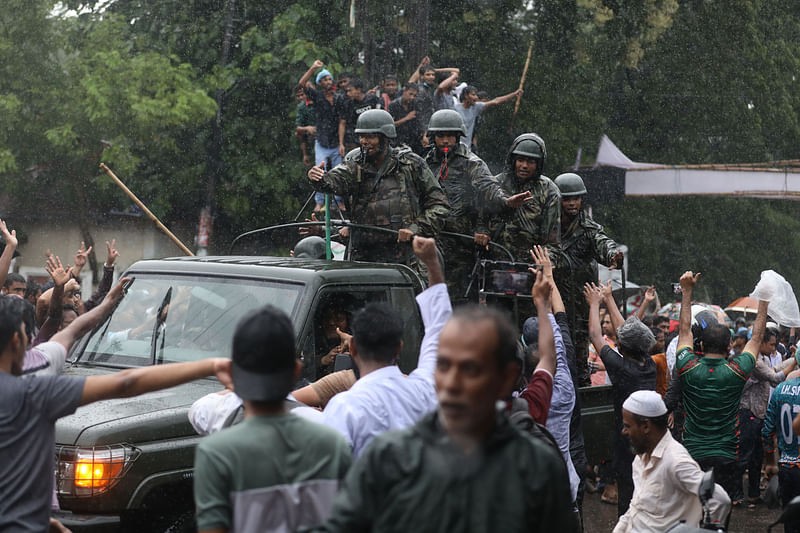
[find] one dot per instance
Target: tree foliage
(145, 87)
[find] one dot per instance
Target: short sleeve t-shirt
(470, 115)
(627, 376)
(29, 408)
(711, 389)
(442, 100)
(350, 110)
(326, 118)
(269, 473)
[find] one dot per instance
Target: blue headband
(322, 73)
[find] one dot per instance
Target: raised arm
(81, 325)
(108, 276)
(8, 253)
(613, 310)
(307, 76)
(649, 297)
(593, 298)
(754, 344)
(503, 99)
(415, 76)
(547, 343)
(56, 308)
(685, 337)
(81, 257)
(445, 85)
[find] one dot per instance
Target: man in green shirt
(275, 471)
(711, 387)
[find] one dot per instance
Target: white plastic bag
(773, 288)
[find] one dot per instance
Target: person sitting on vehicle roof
(274, 471)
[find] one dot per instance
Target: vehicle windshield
(196, 319)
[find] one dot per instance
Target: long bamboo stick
(149, 213)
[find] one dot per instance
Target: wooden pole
(522, 80)
(143, 207)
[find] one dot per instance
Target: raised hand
(542, 257)
(650, 294)
(318, 64)
(82, 255)
(316, 173)
(57, 272)
(9, 236)
(541, 289)
(593, 294)
(689, 280)
(518, 200)
(113, 253)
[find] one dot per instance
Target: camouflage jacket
(462, 178)
(403, 194)
(584, 242)
(538, 221)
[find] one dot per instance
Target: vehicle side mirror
(706, 491)
(791, 513)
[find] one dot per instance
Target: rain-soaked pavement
(601, 517)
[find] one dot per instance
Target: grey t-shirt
(29, 408)
(470, 116)
(442, 100)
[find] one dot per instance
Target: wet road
(601, 517)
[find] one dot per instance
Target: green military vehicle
(126, 465)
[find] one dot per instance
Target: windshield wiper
(161, 318)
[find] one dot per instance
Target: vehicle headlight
(90, 471)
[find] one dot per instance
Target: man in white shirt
(383, 398)
(665, 477)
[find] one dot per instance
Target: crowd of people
(485, 434)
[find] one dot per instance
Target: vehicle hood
(154, 416)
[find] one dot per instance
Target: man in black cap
(275, 470)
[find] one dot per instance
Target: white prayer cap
(646, 403)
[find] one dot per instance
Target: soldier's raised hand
(317, 173)
(482, 240)
(518, 200)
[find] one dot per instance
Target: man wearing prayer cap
(665, 477)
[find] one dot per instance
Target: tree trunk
(214, 161)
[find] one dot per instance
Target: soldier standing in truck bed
(390, 188)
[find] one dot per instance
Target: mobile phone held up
(504, 278)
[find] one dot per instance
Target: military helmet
(447, 120)
(312, 247)
(528, 145)
(570, 184)
(376, 121)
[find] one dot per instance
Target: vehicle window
(181, 318)
(403, 300)
(334, 308)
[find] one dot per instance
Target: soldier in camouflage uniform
(462, 175)
(387, 187)
(536, 220)
(584, 244)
